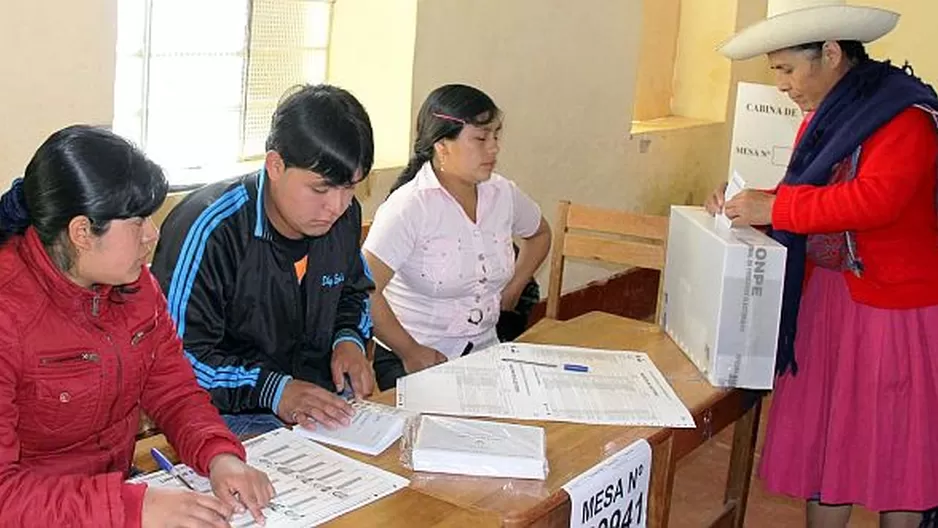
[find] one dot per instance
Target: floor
(697, 498)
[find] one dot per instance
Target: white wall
(57, 59)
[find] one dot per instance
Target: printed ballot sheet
(552, 383)
(313, 484)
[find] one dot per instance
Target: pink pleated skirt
(858, 424)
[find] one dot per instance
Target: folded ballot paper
(374, 428)
(733, 187)
(461, 446)
(723, 298)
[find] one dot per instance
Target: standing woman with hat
(852, 417)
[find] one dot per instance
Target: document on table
(540, 382)
(373, 429)
(313, 484)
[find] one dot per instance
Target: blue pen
(570, 367)
(167, 466)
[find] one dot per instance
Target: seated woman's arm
(184, 411)
(388, 329)
(532, 251)
(528, 224)
(180, 407)
(391, 241)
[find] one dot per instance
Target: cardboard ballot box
(723, 298)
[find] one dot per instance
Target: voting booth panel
(765, 124)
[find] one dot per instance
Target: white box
(723, 298)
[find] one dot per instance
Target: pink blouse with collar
(448, 271)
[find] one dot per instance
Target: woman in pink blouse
(440, 248)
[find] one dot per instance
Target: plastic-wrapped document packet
(462, 446)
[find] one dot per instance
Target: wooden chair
(366, 227)
(146, 427)
(605, 235)
(370, 346)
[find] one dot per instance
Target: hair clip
(450, 118)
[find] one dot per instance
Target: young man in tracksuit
(264, 276)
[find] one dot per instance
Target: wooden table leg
(741, 462)
(662, 483)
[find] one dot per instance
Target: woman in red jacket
(86, 343)
(852, 419)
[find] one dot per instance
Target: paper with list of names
(621, 388)
(313, 484)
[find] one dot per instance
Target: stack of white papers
(373, 429)
(313, 484)
(475, 447)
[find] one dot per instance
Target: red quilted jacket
(76, 367)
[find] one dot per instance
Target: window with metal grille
(198, 80)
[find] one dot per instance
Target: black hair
(324, 129)
(80, 171)
(442, 116)
(854, 50)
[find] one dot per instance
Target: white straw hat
(794, 22)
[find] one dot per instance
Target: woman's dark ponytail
(443, 115)
(14, 214)
(413, 167)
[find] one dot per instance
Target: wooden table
(713, 410)
(574, 448)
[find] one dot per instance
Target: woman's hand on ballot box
(750, 208)
(714, 203)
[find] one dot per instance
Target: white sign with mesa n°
(613, 493)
